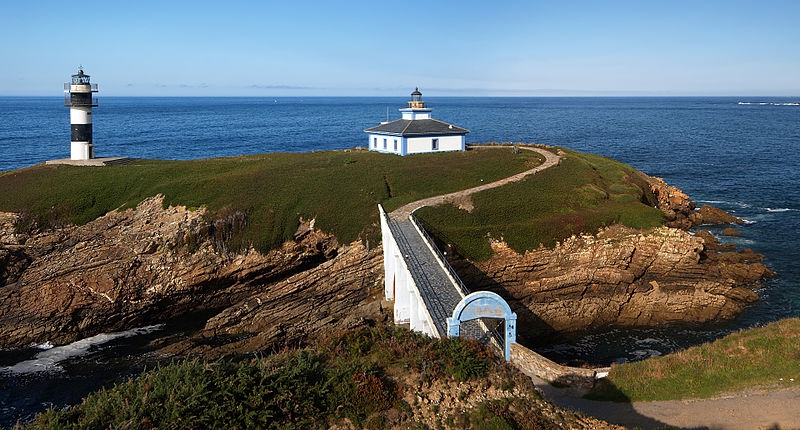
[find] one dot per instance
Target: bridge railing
(442, 257)
(411, 259)
(494, 332)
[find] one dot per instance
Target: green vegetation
(360, 376)
(765, 357)
(584, 193)
(257, 199)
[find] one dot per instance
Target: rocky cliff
(623, 277)
(146, 265)
(134, 267)
(618, 277)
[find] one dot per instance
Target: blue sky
(386, 48)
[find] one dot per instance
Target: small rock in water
(731, 232)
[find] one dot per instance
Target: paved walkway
(437, 290)
(103, 161)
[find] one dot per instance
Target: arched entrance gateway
(484, 304)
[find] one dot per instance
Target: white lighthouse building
(78, 96)
(416, 132)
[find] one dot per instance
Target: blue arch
(484, 304)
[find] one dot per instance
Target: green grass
(258, 200)
(584, 193)
(766, 357)
(340, 189)
(348, 377)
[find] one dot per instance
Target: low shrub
(343, 378)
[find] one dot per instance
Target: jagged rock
(711, 242)
(619, 277)
(731, 232)
(338, 294)
(129, 268)
(712, 215)
(677, 207)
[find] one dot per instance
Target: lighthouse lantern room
(78, 96)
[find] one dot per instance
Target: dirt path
(403, 212)
(749, 409)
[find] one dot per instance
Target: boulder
(712, 215)
(731, 232)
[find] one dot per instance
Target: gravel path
(749, 409)
(403, 212)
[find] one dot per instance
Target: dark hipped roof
(417, 127)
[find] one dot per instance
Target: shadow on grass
(615, 407)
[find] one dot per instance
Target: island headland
(155, 261)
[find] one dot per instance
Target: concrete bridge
(429, 296)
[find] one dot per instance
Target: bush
(345, 377)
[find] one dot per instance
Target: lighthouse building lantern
(78, 96)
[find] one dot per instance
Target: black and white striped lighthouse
(80, 102)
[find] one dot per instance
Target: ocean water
(739, 154)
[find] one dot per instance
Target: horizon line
(276, 97)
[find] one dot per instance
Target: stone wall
(533, 364)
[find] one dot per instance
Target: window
(374, 142)
(435, 145)
(384, 143)
(395, 144)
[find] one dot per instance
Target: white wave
(740, 241)
(770, 103)
(742, 205)
(780, 209)
(45, 346)
(47, 360)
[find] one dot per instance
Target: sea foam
(770, 103)
(48, 360)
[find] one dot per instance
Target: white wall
(389, 143)
(80, 115)
(409, 113)
(81, 151)
(417, 145)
